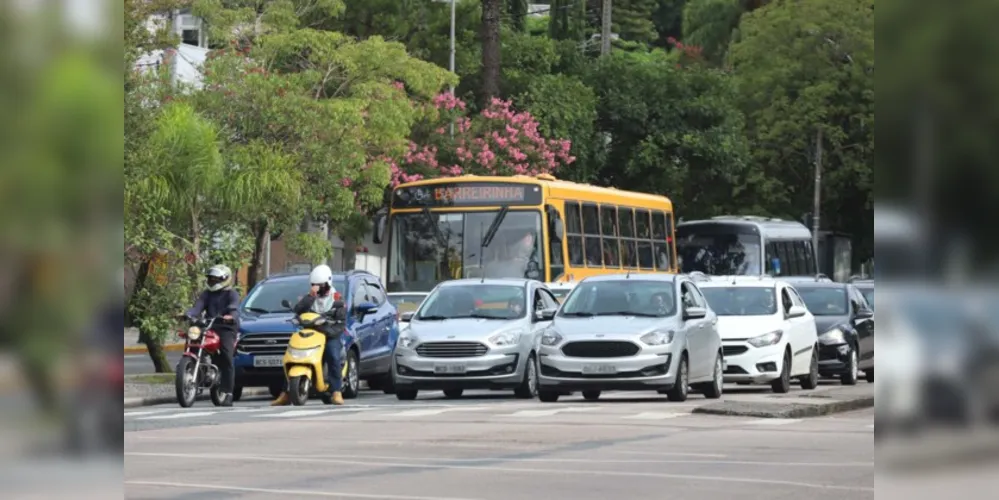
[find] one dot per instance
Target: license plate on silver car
(450, 369)
(599, 369)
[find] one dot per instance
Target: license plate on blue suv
(268, 361)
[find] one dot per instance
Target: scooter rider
(220, 300)
(322, 299)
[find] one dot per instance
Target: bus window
(720, 249)
(555, 256)
(642, 225)
(801, 252)
(629, 247)
(574, 233)
(774, 264)
(662, 256)
(591, 227)
(608, 227)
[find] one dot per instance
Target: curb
(141, 349)
(159, 400)
(787, 410)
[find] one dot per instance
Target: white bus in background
(745, 245)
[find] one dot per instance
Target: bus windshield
(719, 249)
(429, 247)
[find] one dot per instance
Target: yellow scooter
(303, 360)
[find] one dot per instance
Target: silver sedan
(635, 332)
(474, 334)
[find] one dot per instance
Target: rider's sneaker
(281, 400)
(337, 398)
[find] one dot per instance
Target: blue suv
(372, 331)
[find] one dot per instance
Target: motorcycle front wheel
(298, 390)
(186, 382)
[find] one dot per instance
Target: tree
(492, 12)
(709, 24)
(803, 66)
(517, 12)
(633, 20)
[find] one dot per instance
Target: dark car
(845, 322)
(866, 287)
(372, 331)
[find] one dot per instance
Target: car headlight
(505, 338)
(551, 337)
(658, 337)
(194, 333)
(766, 339)
(302, 353)
(407, 341)
(834, 336)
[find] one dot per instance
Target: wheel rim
(683, 377)
(352, 374)
(303, 387)
(814, 369)
(785, 375)
(718, 375)
(532, 378)
(853, 364)
(190, 383)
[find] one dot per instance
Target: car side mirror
(544, 315)
(864, 313)
(285, 304)
(365, 308)
(694, 313)
(406, 317)
(796, 312)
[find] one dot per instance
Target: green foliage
(633, 21)
(313, 247)
(709, 25)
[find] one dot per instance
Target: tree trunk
(492, 11)
(518, 14)
(156, 353)
(140, 281)
(256, 271)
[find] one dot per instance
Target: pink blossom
(399, 85)
(345, 182)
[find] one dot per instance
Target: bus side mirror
(379, 233)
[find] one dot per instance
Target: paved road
(491, 446)
(136, 364)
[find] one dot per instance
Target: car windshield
(484, 301)
(825, 300)
(405, 303)
(741, 300)
(266, 297)
(428, 248)
(627, 297)
(869, 295)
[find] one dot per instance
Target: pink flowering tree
(497, 141)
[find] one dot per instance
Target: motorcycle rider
(220, 300)
(324, 299)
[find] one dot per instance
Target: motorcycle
(303, 360)
(195, 370)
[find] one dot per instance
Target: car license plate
(268, 361)
(450, 369)
(599, 369)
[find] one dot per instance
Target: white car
(768, 334)
(406, 304)
(561, 289)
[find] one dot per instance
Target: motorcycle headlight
(407, 341)
(302, 353)
(834, 336)
(194, 333)
(658, 337)
(505, 338)
(551, 337)
(767, 339)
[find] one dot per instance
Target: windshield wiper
(484, 316)
(433, 318)
(257, 310)
(580, 314)
(628, 313)
(491, 233)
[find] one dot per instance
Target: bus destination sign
(467, 194)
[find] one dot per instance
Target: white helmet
(219, 277)
(321, 275)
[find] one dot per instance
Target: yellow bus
(521, 227)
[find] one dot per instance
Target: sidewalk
(132, 345)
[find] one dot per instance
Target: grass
(151, 378)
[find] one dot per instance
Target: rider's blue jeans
(333, 355)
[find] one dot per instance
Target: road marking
(429, 412)
(408, 464)
(520, 448)
(294, 413)
(140, 413)
(545, 413)
(774, 421)
(328, 494)
(185, 414)
(653, 415)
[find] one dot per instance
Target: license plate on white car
(450, 369)
(268, 361)
(599, 369)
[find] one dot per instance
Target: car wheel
(352, 382)
(783, 383)
(852, 373)
(681, 388)
(591, 395)
(811, 381)
(529, 385)
(548, 396)
(406, 394)
(869, 373)
(714, 389)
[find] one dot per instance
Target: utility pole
(817, 202)
(605, 29)
(450, 64)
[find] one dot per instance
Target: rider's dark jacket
(334, 328)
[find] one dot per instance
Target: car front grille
(600, 349)
(734, 350)
(264, 343)
(451, 349)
